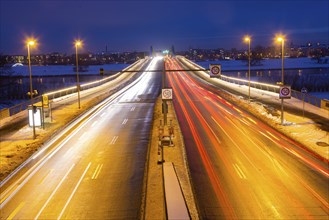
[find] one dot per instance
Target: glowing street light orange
(77, 43)
(248, 40)
(31, 42)
(281, 39)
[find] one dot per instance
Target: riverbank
(268, 64)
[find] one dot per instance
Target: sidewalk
(155, 201)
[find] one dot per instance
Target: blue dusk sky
(136, 25)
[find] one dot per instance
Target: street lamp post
(248, 40)
(77, 44)
(31, 43)
(281, 39)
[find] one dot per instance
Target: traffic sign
(167, 94)
(45, 101)
(215, 70)
(285, 92)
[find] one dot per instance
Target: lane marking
(272, 135)
(19, 207)
(53, 193)
(237, 146)
(132, 109)
(7, 194)
(239, 171)
(277, 214)
(267, 136)
(94, 124)
(238, 110)
(82, 136)
(97, 171)
(68, 152)
(253, 121)
(102, 115)
(277, 164)
(244, 121)
(124, 121)
(114, 139)
(43, 179)
(73, 192)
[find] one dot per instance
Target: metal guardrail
(267, 87)
(7, 112)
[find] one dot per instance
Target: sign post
(285, 93)
(166, 95)
(304, 91)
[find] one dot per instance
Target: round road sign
(285, 92)
(215, 70)
(166, 93)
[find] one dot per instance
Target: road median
(155, 200)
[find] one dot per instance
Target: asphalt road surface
(97, 171)
(240, 167)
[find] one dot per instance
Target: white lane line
(238, 110)
(132, 109)
(95, 122)
(124, 121)
(114, 139)
(244, 121)
(67, 152)
(234, 143)
(277, 164)
(253, 121)
(102, 115)
(53, 193)
(82, 136)
(18, 208)
(239, 171)
(73, 192)
(277, 214)
(272, 135)
(97, 171)
(267, 136)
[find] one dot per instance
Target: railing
(263, 86)
(63, 92)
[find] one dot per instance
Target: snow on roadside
(303, 130)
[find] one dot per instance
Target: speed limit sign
(215, 70)
(285, 92)
(167, 94)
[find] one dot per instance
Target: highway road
(96, 171)
(240, 167)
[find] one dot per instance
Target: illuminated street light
(77, 43)
(281, 39)
(248, 40)
(31, 42)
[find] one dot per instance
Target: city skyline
(136, 25)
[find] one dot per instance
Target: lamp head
(78, 43)
(31, 42)
(280, 39)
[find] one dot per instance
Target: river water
(15, 85)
